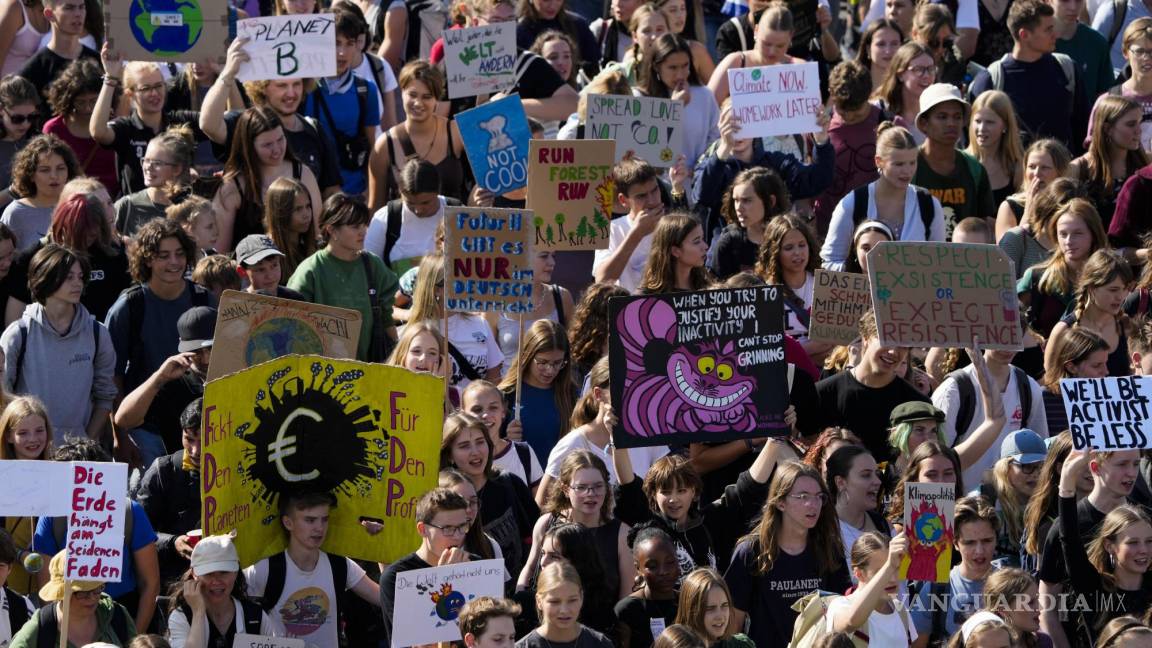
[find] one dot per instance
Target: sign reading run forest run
(944, 295)
(571, 191)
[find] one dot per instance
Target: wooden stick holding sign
(299, 46)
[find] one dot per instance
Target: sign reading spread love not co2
(776, 99)
(647, 126)
(480, 60)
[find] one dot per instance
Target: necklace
(575, 641)
(435, 134)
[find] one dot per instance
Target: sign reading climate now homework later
(776, 99)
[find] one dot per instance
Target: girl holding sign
(873, 607)
(1101, 289)
(773, 39)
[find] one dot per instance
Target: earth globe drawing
(929, 528)
(278, 337)
(167, 28)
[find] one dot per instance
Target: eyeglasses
(152, 163)
(18, 119)
(145, 89)
(550, 364)
(1027, 469)
(451, 530)
(937, 43)
(588, 489)
(90, 594)
(1140, 52)
(809, 499)
(923, 70)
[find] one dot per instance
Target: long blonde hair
(412, 329)
(824, 538)
(18, 409)
(1058, 278)
(1115, 523)
(1010, 153)
(1010, 502)
(425, 305)
(1108, 110)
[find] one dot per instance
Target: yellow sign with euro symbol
(368, 434)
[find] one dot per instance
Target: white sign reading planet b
(301, 46)
(776, 99)
(1108, 413)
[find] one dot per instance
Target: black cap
(197, 327)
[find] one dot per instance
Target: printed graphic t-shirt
(305, 607)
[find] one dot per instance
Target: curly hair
(258, 90)
(588, 333)
(148, 239)
(82, 76)
(24, 164)
(768, 261)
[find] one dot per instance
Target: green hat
(915, 411)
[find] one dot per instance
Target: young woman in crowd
(72, 97)
(25, 430)
(930, 463)
(678, 14)
(559, 598)
(583, 494)
(878, 45)
(39, 172)
(795, 543)
(343, 274)
(506, 504)
(891, 199)
(534, 17)
(1136, 43)
(474, 349)
(259, 156)
(667, 72)
(511, 453)
(1011, 484)
(198, 219)
(540, 381)
(423, 134)
(1013, 595)
(19, 105)
(588, 333)
(994, 140)
(872, 607)
(1047, 291)
(1101, 288)
(867, 235)
(210, 604)
(788, 259)
(676, 260)
(1045, 192)
(420, 347)
(1115, 152)
(647, 25)
(290, 221)
(550, 301)
(773, 38)
(854, 485)
(575, 544)
(755, 197)
(1079, 353)
(404, 230)
(1045, 161)
(657, 571)
(476, 542)
(1114, 561)
(562, 53)
(25, 25)
(913, 69)
(706, 607)
(1041, 510)
(167, 167)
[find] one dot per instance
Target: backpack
(923, 202)
(996, 72)
(19, 610)
(967, 389)
(812, 621)
(1119, 14)
(253, 614)
(134, 295)
(739, 22)
(394, 217)
(48, 626)
(352, 150)
(278, 570)
(23, 326)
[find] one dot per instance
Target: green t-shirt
(28, 636)
(961, 194)
(1089, 48)
(324, 279)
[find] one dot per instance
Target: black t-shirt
(637, 613)
(388, 590)
(508, 511)
(588, 638)
(767, 599)
(734, 252)
(163, 416)
(45, 66)
(106, 280)
(1052, 566)
(130, 141)
(864, 410)
(539, 81)
(310, 145)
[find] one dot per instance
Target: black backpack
(278, 571)
(48, 626)
(19, 610)
(923, 201)
(394, 216)
(352, 150)
(253, 615)
(135, 297)
(967, 389)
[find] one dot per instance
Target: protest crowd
(883, 488)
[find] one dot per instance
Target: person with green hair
(913, 423)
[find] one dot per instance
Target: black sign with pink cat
(702, 366)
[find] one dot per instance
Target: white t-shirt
(473, 338)
(509, 461)
(304, 609)
(417, 234)
(634, 271)
(642, 458)
(946, 398)
(6, 631)
(178, 625)
(890, 630)
(364, 71)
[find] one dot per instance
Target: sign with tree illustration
(570, 190)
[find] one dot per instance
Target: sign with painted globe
(169, 30)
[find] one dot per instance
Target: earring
(1112, 561)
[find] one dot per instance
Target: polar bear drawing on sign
(497, 138)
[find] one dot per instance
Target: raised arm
(216, 101)
(113, 78)
(862, 602)
(983, 437)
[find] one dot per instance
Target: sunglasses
(937, 43)
(18, 119)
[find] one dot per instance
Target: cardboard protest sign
(570, 183)
(699, 366)
(260, 641)
(776, 99)
(1108, 413)
(97, 500)
(648, 126)
(496, 137)
(169, 31)
(301, 46)
(928, 513)
(944, 295)
(838, 301)
(251, 329)
(432, 598)
(367, 433)
(480, 60)
(488, 259)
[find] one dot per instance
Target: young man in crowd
(1084, 45)
(863, 397)
(442, 522)
(630, 238)
(852, 132)
(487, 622)
(303, 586)
(66, 20)
(259, 261)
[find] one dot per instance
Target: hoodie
(67, 371)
